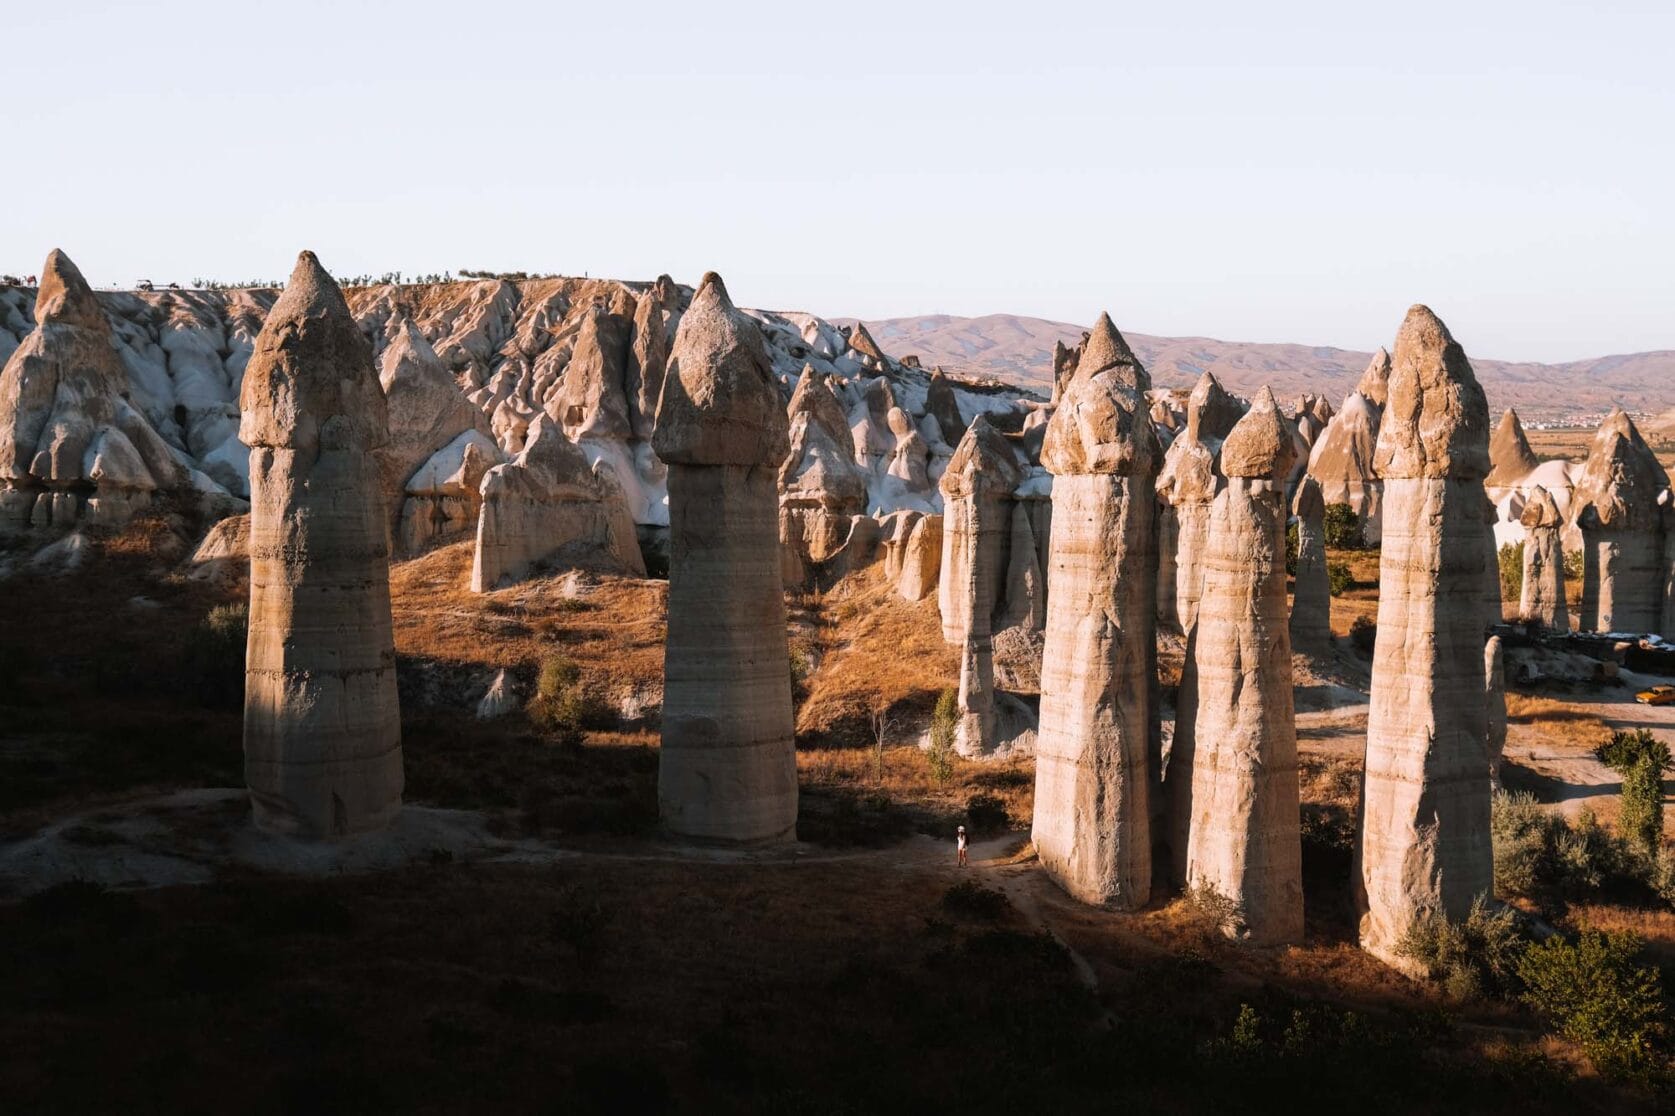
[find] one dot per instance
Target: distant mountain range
(1019, 350)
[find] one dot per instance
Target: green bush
(1363, 635)
(1573, 565)
(1338, 578)
(1641, 759)
(986, 814)
(564, 705)
(1473, 958)
(944, 722)
(214, 659)
(1539, 855)
(1511, 558)
(1291, 546)
(1343, 528)
(1598, 997)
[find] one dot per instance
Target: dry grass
(903, 773)
(1559, 721)
(1361, 599)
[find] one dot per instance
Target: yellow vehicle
(1657, 695)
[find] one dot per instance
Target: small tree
(882, 725)
(1343, 528)
(1339, 579)
(944, 721)
(1511, 559)
(1641, 759)
(1599, 997)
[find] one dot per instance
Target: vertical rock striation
(727, 770)
(1095, 772)
(1615, 505)
(1543, 597)
(1425, 845)
(1244, 840)
(1311, 606)
(322, 725)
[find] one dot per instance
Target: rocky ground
(526, 934)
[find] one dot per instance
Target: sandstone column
(1494, 702)
(1244, 841)
(728, 769)
(1093, 771)
(322, 725)
(1311, 606)
(977, 521)
(1425, 817)
(1616, 507)
(1543, 594)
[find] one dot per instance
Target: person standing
(959, 844)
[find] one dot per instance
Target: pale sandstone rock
(443, 499)
(1375, 381)
(1494, 704)
(1615, 505)
(1024, 602)
(1543, 598)
(1342, 461)
(1210, 411)
(72, 449)
(1095, 755)
(1311, 607)
(1510, 456)
(921, 560)
(1244, 841)
(1425, 846)
(944, 409)
(322, 725)
(592, 401)
(727, 769)
(648, 353)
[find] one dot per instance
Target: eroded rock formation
(1311, 606)
(322, 727)
(727, 771)
(1615, 505)
(1543, 598)
(1244, 841)
(1095, 767)
(1425, 845)
(1342, 461)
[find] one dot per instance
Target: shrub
(1539, 855)
(944, 721)
(1338, 578)
(1641, 759)
(1363, 635)
(1573, 565)
(1599, 998)
(563, 704)
(1511, 558)
(1473, 958)
(214, 659)
(986, 813)
(970, 899)
(1343, 528)
(1291, 546)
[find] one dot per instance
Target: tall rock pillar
(1425, 809)
(1542, 599)
(1616, 507)
(1245, 841)
(1311, 604)
(728, 770)
(322, 723)
(1094, 772)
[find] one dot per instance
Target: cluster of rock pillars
(1131, 533)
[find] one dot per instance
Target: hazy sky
(1270, 172)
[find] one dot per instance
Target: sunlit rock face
(1616, 507)
(1425, 846)
(322, 726)
(1543, 598)
(727, 769)
(1096, 767)
(1311, 606)
(1244, 836)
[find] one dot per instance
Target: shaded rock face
(944, 409)
(1342, 461)
(727, 770)
(72, 448)
(1510, 456)
(921, 563)
(547, 503)
(322, 726)
(1615, 506)
(1425, 844)
(1494, 706)
(1096, 767)
(1210, 411)
(1543, 598)
(1244, 841)
(977, 522)
(648, 352)
(592, 399)
(1311, 606)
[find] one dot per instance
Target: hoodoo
(1543, 594)
(1245, 842)
(322, 725)
(1425, 845)
(1095, 775)
(1311, 605)
(1616, 507)
(727, 771)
